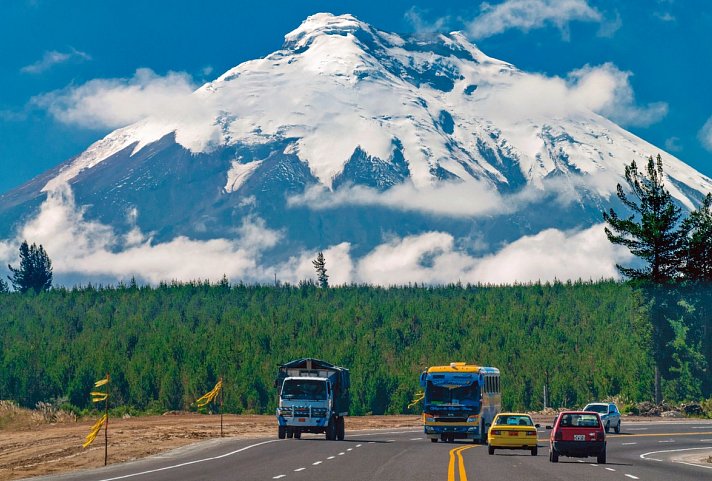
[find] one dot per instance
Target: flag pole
(106, 424)
(221, 409)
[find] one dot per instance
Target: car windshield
(597, 408)
(579, 421)
(506, 420)
(303, 389)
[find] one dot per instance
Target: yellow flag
(94, 431)
(102, 382)
(98, 396)
(419, 397)
(208, 397)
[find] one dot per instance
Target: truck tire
(290, 433)
(617, 429)
(331, 430)
(433, 440)
(297, 435)
(281, 432)
(340, 429)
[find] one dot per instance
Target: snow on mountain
(351, 134)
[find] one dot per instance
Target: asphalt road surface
(649, 451)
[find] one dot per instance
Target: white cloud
(434, 258)
(417, 17)
(111, 103)
(80, 248)
(705, 135)
(672, 144)
(83, 248)
(52, 58)
(530, 14)
(604, 89)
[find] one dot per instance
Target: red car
(577, 434)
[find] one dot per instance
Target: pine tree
(656, 237)
(34, 271)
(320, 266)
(3, 286)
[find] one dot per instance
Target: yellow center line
(460, 463)
(648, 435)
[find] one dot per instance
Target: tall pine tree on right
(673, 272)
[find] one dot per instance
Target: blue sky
(51, 49)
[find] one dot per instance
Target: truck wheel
(617, 429)
(290, 433)
(331, 430)
(340, 429)
(433, 440)
(297, 435)
(608, 427)
(281, 432)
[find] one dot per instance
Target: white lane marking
(331, 457)
(358, 445)
(316, 463)
(667, 441)
(628, 444)
(415, 439)
(610, 469)
(579, 460)
(693, 464)
(390, 440)
(188, 463)
(350, 449)
(699, 427)
(372, 442)
(643, 456)
(341, 454)
(279, 476)
(594, 465)
(637, 429)
(299, 469)
(631, 476)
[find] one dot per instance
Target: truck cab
(313, 398)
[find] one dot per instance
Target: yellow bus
(460, 402)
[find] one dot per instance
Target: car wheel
(535, 451)
(433, 440)
(618, 428)
(490, 450)
(553, 456)
(601, 458)
(608, 427)
(281, 432)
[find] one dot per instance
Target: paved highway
(650, 451)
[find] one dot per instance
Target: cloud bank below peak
(85, 249)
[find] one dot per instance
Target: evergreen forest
(167, 345)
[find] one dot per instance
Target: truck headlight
(287, 411)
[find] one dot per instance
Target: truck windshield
(304, 389)
(465, 395)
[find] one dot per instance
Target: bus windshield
(465, 395)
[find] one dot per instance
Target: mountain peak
(322, 24)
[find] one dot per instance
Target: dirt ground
(33, 449)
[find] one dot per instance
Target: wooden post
(106, 424)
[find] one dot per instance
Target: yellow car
(512, 431)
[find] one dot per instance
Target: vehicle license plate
(513, 433)
(579, 437)
(301, 420)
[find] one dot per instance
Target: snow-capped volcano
(351, 134)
